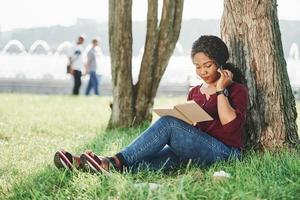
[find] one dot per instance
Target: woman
(170, 142)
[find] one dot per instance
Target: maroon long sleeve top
(232, 132)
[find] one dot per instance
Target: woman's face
(206, 68)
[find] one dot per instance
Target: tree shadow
(47, 182)
(51, 182)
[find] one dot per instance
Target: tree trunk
(120, 40)
(160, 43)
(251, 30)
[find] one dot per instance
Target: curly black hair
(214, 48)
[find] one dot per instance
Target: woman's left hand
(225, 79)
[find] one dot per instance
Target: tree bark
(159, 45)
(120, 40)
(251, 30)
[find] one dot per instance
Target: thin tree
(251, 30)
(132, 103)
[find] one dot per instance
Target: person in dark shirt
(170, 142)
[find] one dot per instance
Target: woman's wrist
(219, 89)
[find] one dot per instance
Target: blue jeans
(170, 142)
(93, 83)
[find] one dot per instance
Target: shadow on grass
(50, 181)
(45, 183)
(265, 176)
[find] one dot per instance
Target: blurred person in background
(77, 64)
(92, 66)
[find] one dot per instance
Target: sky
(43, 13)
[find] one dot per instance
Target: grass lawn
(33, 127)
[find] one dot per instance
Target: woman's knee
(167, 120)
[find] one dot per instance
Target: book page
(193, 112)
(172, 112)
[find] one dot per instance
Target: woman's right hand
(225, 79)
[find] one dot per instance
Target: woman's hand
(225, 110)
(225, 79)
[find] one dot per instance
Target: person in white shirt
(77, 64)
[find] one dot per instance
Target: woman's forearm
(225, 111)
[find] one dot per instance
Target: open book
(190, 112)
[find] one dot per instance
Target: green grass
(33, 127)
(298, 118)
